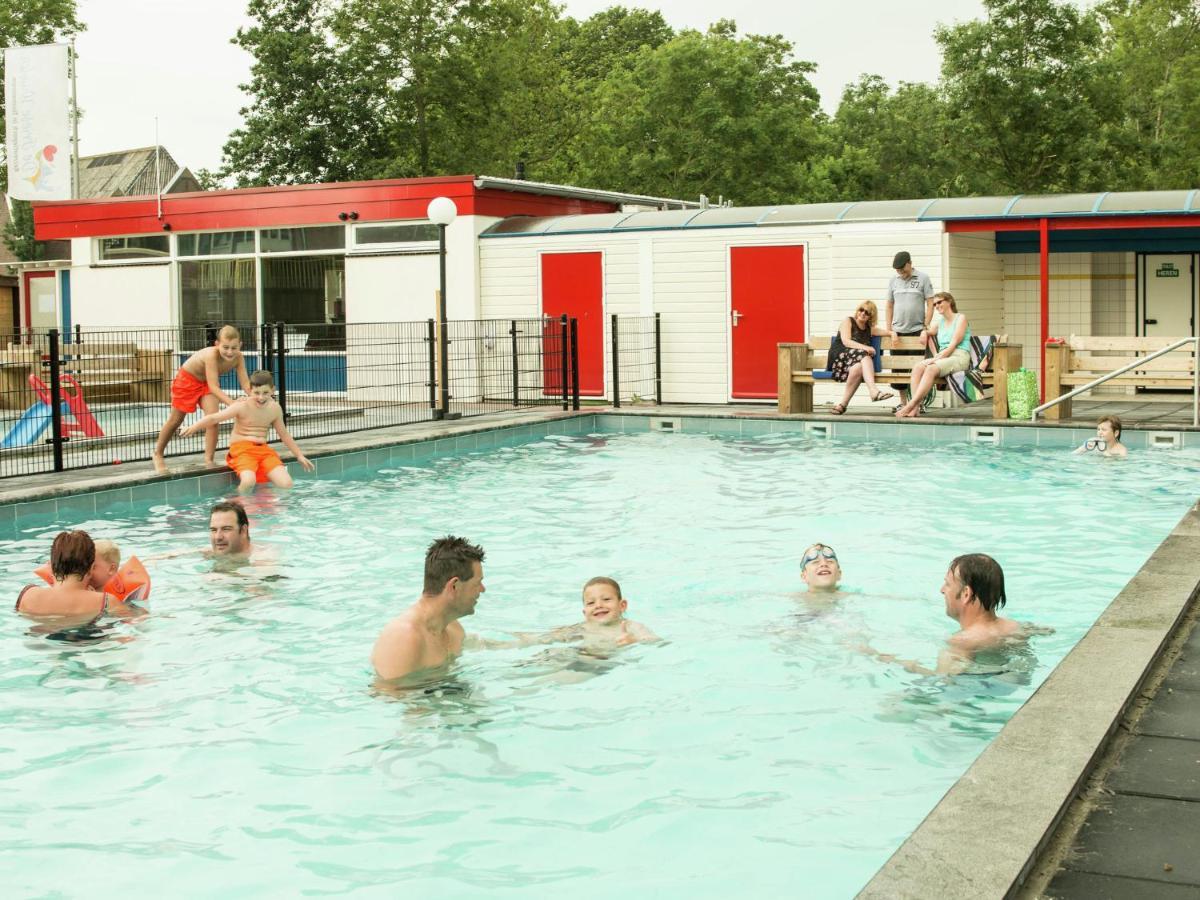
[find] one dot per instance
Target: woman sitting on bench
(852, 357)
(953, 336)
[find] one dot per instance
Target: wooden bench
(799, 362)
(1082, 359)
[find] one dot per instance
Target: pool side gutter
(987, 832)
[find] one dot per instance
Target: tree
(705, 113)
(1154, 46)
(884, 145)
(1029, 97)
(303, 124)
(28, 23)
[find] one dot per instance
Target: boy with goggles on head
(819, 568)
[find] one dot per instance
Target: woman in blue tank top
(952, 333)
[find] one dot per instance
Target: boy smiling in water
(249, 454)
(604, 617)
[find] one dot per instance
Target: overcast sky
(169, 58)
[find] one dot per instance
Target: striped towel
(969, 384)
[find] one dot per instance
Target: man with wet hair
(428, 634)
(973, 590)
(229, 529)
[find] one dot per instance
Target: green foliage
(18, 232)
(704, 113)
(1025, 89)
(1036, 96)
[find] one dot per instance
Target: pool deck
(1093, 787)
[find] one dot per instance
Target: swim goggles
(816, 552)
(1096, 444)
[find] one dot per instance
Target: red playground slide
(72, 394)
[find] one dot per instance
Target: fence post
(562, 352)
(516, 361)
(56, 429)
(281, 367)
(657, 359)
(575, 364)
(616, 364)
(431, 340)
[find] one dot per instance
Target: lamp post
(441, 213)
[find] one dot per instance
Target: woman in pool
(950, 330)
(70, 597)
(851, 356)
(1107, 440)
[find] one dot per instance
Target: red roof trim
(291, 206)
(1074, 223)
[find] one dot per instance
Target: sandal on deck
(838, 409)
(882, 395)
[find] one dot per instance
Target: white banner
(38, 122)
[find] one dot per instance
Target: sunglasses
(1096, 444)
(817, 553)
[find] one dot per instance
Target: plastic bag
(1022, 393)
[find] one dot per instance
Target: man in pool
(973, 590)
(820, 570)
(229, 530)
(428, 633)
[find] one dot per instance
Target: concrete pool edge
(985, 835)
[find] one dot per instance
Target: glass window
(220, 291)
(151, 246)
(309, 294)
(217, 243)
(396, 234)
(290, 240)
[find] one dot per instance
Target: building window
(217, 291)
(217, 243)
(299, 240)
(309, 292)
(122, 249)
(410, 233)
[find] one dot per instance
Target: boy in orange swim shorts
(198, 382)
(249, 454)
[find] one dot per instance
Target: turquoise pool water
(230, 742)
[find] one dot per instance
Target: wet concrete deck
(1141, 837)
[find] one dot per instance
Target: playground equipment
(77, 418)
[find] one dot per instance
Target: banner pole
(74, 128)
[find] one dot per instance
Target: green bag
(1022, 393)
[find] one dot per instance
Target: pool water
(231, 741)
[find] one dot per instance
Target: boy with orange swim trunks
(249, 454)
(199, 382)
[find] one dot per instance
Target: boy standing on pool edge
(249, 455)
(198, 381)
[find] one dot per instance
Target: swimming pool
(231, 739)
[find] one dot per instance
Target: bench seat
(1081, 359)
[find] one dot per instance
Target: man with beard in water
(428, 634)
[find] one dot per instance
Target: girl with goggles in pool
(1107, 440)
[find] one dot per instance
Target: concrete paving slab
(1174, 714)
(1142, 837)
(1159, 767)
(1185, 674)
(1072, 885)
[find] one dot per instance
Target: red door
(573, 283)
(766, 307)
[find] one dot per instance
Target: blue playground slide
(33, 422)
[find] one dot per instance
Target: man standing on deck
(909, 303)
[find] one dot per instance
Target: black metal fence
(99, 396)
(636, 359)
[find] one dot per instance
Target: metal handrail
(1134, 365)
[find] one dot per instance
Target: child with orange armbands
(249, 454)
(198, 382)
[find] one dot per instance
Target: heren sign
(1166, 270)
